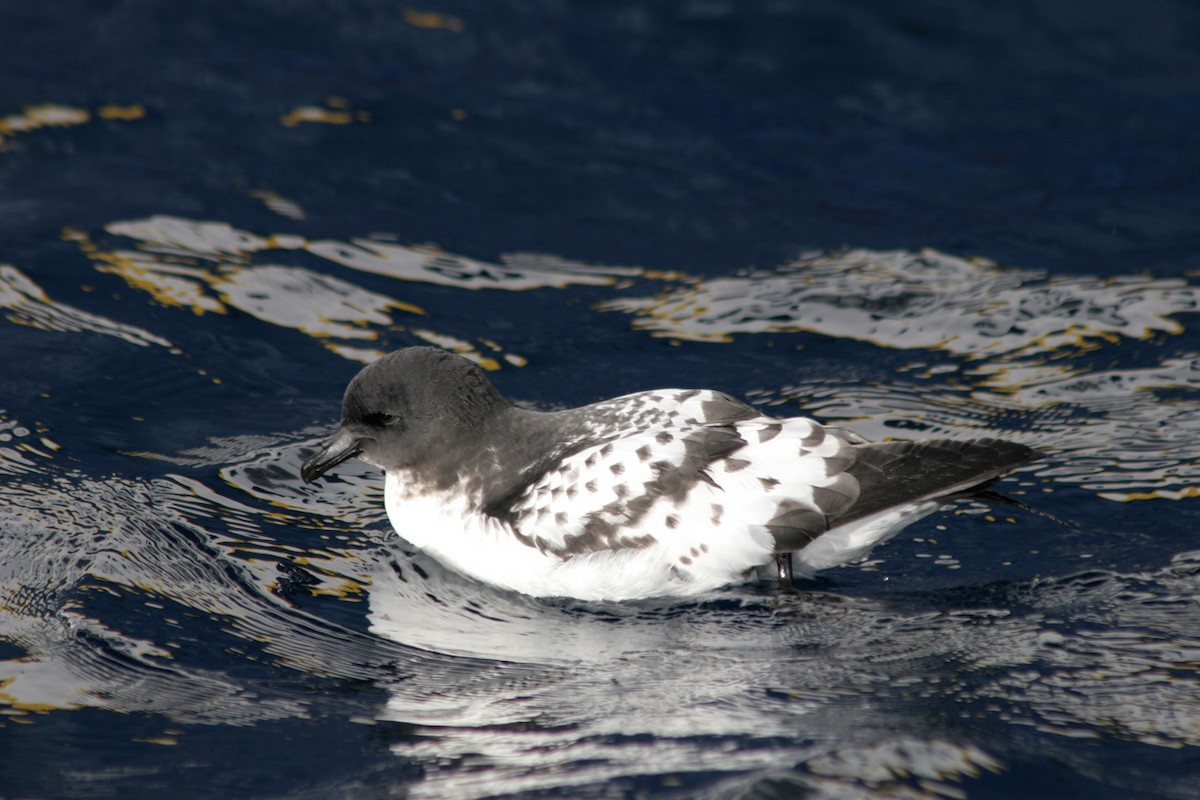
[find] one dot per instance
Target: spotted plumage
(656, 493)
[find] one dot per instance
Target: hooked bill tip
(342, 447)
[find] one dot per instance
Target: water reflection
(926, 300)
(23, 449)
(181, 237)
(23, 302)
(209, 267)
(53, 115)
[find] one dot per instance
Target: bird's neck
(495, 461)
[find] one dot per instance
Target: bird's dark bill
(341, 447)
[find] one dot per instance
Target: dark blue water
(962, 218)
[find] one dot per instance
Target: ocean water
(952, 219)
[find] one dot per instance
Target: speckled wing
(641, 456)
(700, 476)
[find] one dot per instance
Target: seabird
(666, 492)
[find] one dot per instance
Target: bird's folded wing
(618, 494)
(706, 463)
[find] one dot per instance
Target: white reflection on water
(219, 240)
(926, 300)
(210, 267)
(23, 302)
(23, 450)
(330, 307)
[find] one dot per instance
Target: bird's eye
(379, 419)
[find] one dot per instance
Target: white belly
(449, 528)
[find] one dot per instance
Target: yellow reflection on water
(433, 20)
(53, 115)
(336, 111)
(48, 115)
(126, 113)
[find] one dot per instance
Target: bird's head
(405, 408)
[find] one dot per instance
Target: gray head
(406, 408)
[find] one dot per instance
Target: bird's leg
(783, 567)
